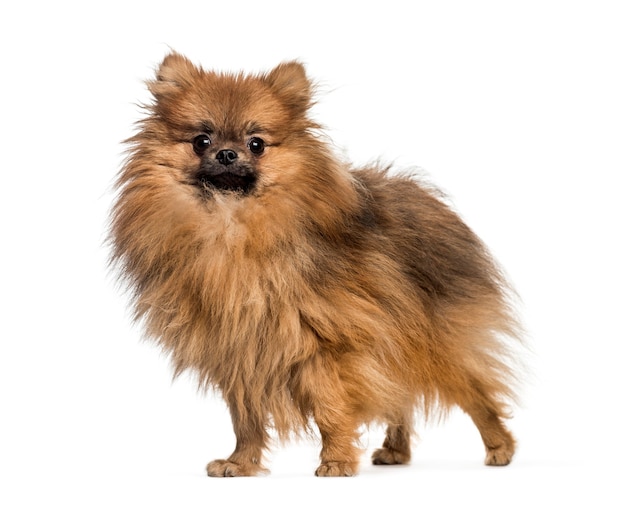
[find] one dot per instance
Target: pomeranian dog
(303, 289)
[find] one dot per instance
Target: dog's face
(227, 133)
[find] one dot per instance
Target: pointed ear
(174, 73)
(291, 84)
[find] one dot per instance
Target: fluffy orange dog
(302, 288)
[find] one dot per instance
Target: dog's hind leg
(487, 414)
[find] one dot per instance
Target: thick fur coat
(300, 287)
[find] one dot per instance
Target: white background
(516, 109)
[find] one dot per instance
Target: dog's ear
(290, 83)
(174, 73)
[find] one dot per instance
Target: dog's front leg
(322, 392)
(252, 439)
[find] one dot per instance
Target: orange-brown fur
(326, 293)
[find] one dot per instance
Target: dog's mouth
(226, 181)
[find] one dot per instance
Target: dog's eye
(201, 143)
(256, 145)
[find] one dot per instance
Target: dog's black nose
(226, 156)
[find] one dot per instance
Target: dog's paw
(386, 456)
(499, 456)
(337, 469)
(227, 468)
